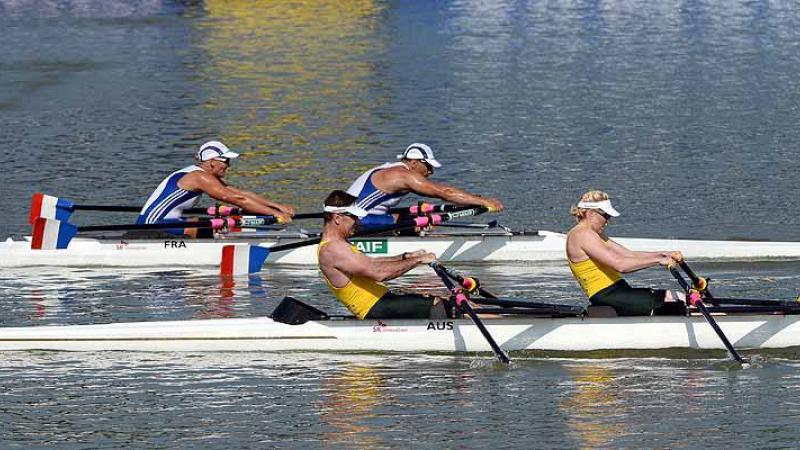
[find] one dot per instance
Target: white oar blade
(49, 207)
(242, 259)
(49, 234)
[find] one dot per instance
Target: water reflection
(592, 408)
(295, 85)
(350, 399)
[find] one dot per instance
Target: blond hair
(591, 196)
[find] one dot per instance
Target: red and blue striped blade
(50, 207)
(50, 234)
(242, 259)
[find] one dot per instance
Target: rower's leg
(674, 296)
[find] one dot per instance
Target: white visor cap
(350, 209)
(213, 150)
(604, 206)
(420, 151)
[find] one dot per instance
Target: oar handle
(699, 283)
(420, 209)
(471, 284)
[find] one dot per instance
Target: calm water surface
(685, 111)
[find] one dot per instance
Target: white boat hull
(497, 247)
(523, 333)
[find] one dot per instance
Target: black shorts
(401, 306)
(629, 301)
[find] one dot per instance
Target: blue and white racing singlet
(168, 201)
(370, 197)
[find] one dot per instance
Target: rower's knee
(438, 310)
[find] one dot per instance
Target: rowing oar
(51, 234)
(699, 283)
(694, 298)
(245, 259)
(61, 209)
(463, 302)
(471, 284)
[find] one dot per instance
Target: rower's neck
(596, 227)
(333, 232)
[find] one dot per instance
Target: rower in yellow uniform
(596, 262)
(356, 279)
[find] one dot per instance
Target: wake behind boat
(473, 244)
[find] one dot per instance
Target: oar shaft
(211, 211)
(374, 231)
(702, 307)
(569, 309)
(756, 302)
(111, 208)
(202, 223)
(695, 300)
(501, 355)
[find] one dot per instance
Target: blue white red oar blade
(51, 234)
(50, 207)
(242, 259)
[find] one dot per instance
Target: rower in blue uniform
(382, 187)
(183, 188)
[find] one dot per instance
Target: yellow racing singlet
(360, 294)
(593, 277)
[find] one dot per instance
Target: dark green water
(685, 112)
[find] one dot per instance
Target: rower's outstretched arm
(286, 209)
(620, 249)
(215, 189)
(375, 269)
(598, 250)
(420, 185)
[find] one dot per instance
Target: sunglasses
(604, 214)
(352, 216)
(226, 161)
(428, 166)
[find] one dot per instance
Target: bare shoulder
(334, 250)
(580, 233)
(394, 179)
(196, 180)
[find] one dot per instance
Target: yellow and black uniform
(369, 299)
(605, 286)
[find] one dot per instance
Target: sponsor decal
(440, 325)
(125, 245)
(381, 327)
(465, 213)
(373, 246)
(174, 244)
